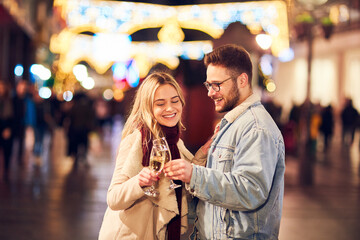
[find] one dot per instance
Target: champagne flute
(164, 145)
(157, 162)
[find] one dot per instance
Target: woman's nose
(168, 107)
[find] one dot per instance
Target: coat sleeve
(124, 188)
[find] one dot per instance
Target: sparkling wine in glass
(162, 143)
(157, 161)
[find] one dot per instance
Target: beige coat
(130, 213)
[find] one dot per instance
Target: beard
(232, 100)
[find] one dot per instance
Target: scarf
(172, 136)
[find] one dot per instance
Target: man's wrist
(191, 171)
(187, 185)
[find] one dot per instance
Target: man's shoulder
(256, 117)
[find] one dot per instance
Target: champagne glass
(164, 145)
(157, 162)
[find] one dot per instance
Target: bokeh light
(118, 95)
(80, 72)
(286, 55)
(19, 70)
(68, 96)
(264, 41)
(45, 92)
(270, 86)
(266, 65)
(108, 94)
(40, 71)
(88, 83)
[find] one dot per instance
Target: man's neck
(244, 95)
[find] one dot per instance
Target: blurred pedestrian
(291, 130)
(349, 116)
(43, 121)
(315, 123)
(19, 126)
(6, 133)
(327, 125)
(81, 121)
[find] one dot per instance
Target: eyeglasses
(215, 86)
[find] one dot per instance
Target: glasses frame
(215, 86)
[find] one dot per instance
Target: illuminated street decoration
(126, 71)
(112, 23)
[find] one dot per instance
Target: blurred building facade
(25, 30)
(326, 61)
(16, 36)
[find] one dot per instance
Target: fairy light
(110, 19)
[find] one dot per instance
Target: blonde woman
(131, 214)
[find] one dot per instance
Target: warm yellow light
(339, 13)
(270, 86)
(171, 33)
(129, 17)
(255, 28)
(143, 63)
(118, 95)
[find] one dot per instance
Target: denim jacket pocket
(224, 157)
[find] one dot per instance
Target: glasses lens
(206, 85)
(214, 86)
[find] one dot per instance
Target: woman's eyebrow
(161, 99)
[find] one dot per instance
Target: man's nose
(211, 92)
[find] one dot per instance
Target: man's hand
(179, 169)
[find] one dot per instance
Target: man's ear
(243, 80)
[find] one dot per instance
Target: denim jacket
(241, 188)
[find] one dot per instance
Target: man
(241, 188)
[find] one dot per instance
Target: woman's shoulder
(131, 139)
(129, 154)
(132, 136)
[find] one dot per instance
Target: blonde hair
(141, 115)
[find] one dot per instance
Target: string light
(113, 22)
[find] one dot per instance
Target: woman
(131, 214)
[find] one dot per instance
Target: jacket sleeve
(247, 185)
(124, 189)
(185, 153)
(200, 157)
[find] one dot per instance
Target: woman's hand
(147, 177)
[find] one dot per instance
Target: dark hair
(233, 57)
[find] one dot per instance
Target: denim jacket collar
(233, 114)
